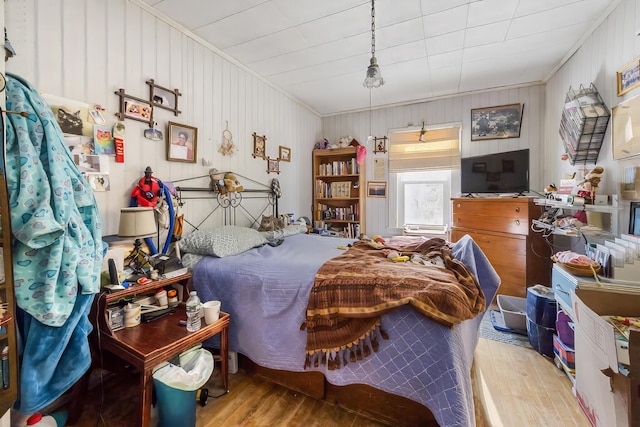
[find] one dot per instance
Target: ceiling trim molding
(435, 98)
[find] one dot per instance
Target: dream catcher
(227, 148)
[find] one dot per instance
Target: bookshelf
(338, 192)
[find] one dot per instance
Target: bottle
(193, 312)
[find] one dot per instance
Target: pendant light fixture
(422, 132)
(374, 76)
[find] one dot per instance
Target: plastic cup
(211, 311)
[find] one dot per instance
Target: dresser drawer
(494, 245)
(492, 223)
(501, 208)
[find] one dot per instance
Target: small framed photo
(628, 77)
(284, 154)
(273, 165)
(162, 97)
(259, 146)
(496, 122)
(182, 143)
(376, 189)
(134, 109)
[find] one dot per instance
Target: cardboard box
(607, 397)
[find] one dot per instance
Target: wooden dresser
(502, 228)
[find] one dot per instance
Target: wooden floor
(518, 387)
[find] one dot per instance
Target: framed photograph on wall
(273, 165)
(284, 154)
(628, 77)
(163, 98)
(259, 146)
(182, 143)
(496, 122)
(376, 189)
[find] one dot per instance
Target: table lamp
(138, 223)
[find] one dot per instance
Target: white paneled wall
(613, 44)
(86, 50)
(378, 122)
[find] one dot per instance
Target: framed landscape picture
(376, 189)
(628, 77)
(496, 122)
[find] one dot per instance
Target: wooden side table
(149, 344)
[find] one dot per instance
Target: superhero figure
(146, 193)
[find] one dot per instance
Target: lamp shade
(137, 222)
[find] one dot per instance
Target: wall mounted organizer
(584, 122)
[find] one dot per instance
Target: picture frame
(284, 154)
(182, 143)
(134, 108)
(380, 144)
(273, 165)
(634, 218)
(498, 122)
(259, 146)
(377, 189)
(164, 98)
(625, 129)
(628, 77)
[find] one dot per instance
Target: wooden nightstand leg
(224, 357)
(146, 391)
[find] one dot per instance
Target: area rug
(488, 331)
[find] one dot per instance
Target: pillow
(223, 241)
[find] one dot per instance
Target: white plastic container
(514, 311)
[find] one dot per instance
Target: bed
(266, 290)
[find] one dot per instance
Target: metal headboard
(231, 203)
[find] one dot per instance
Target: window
(420, 177)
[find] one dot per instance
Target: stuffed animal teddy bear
(587, 188)
(231, 183)
(217, 181)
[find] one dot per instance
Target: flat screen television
(506, 172)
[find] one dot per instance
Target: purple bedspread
(265, 290)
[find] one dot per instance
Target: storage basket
(582, 270)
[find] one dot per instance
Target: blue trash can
(176, 408)
(177, 386)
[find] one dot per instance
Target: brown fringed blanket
(351, 291)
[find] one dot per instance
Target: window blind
(439, 150)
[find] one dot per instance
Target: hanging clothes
(57, 248)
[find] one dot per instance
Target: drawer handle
(559, 289)
(517, 222)
(518, 209)
(458, 205)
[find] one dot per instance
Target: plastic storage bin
(564, 328)
(514, 311)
